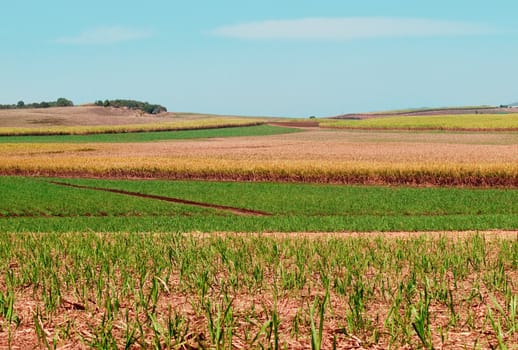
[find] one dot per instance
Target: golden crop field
(334, 156)
(431, 122)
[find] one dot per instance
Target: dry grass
(75, 116)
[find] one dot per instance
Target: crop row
(192, 167)
(112, 291)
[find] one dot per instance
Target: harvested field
(89, 116)
(411, 290)
(75, 116)
(98, 120)
(472, 159)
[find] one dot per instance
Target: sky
(265, 58)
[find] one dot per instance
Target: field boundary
(379, 178)
(234, 210)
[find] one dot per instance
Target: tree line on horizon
(118, 103)
(133, 104)
(60, 102)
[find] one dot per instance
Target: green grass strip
(322, 200)
(35, 198)
(216, 223)
(258, 130)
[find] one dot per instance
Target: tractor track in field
(234, 210)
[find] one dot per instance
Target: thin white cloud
(106, 35)
(350, 28)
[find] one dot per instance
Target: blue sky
(279, 58)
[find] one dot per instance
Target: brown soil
(239, 211)
(84, 318)
(86, 116)
(76, 116)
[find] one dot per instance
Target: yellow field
(435, 122)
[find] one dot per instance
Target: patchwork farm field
(149, 136)
(317, 156)
(244, 235)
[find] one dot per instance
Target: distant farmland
(468, 122)
(194, 231)
(332, 156)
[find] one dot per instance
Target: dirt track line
(238, 211)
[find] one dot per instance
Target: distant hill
(60, 102)
(503, 109)
(86, 115)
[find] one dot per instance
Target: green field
(111, 264)
(258, 130)
(323, 200)
(23, 197)
(439, 122)
(35, 205)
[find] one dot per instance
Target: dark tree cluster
(132, 104)
(60, 102)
